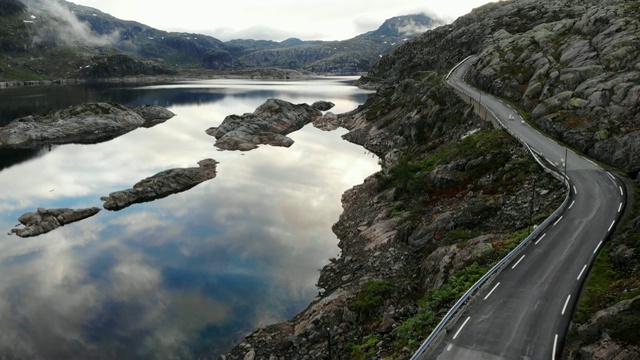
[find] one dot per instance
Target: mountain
(454, 195)
(59, 39)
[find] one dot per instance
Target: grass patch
(433, 303)
(366, 349)
(369, 299)
(600, 280)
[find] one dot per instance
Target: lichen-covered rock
(162, 185)
(153, 114)
(82, 124)
(46, 220)
(268, 124)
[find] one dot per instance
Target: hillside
(450, 199)
(51, 40)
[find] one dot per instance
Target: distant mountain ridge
(74, 39)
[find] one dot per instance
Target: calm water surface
(184, 276)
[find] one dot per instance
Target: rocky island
(268, 124)
(46, 220)
(161, 185)
(80, 124)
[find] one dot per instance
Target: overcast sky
(276, 19)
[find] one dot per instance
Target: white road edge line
(620, 208)
(555, 346)
(582, 272)
(612, 177)
(597, 247)
(463, 324)
(565, 304)
(557, 221)
(573, 203)
(613, 223)
(541, 237)
(492, 290)
(592, 163)
(522, 258)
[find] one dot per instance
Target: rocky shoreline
(412, 227)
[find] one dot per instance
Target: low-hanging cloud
(54, 22)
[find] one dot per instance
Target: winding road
(524, 313)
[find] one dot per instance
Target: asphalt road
(525, 312)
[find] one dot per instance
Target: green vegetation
(366, 349)
(456, 235)
(367, 302)
(433, 303)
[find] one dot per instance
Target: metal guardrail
(496, 269)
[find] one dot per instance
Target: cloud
(261, 32)
(56, 23)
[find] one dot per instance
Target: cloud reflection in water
(185, 275)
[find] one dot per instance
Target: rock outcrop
(81, 124)
(611, 334)
(578, 73)
(153, 114)
(162, 185)
(46, 220)
(268, 124)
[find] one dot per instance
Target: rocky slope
(452, 194)
(452, 197)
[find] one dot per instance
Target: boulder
(323, 105)
(268, 124)
(327, 122)
(162, 185)
(46, 220)
(153, 114)
(82, 124)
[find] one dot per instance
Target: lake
(185, 276)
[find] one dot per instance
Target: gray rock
(46, 220)
(267, 125)
(327, 122)
(153, 114)
(323, 105)
(162, 185)
(83, 124)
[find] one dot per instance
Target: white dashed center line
(492, 290)
(565, 304)
(522, 258)
(463, 324)
(582, 272)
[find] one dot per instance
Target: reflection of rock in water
(267, 125)
(162, 185)
(11, 157)
(45, 220)
(83, 124)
